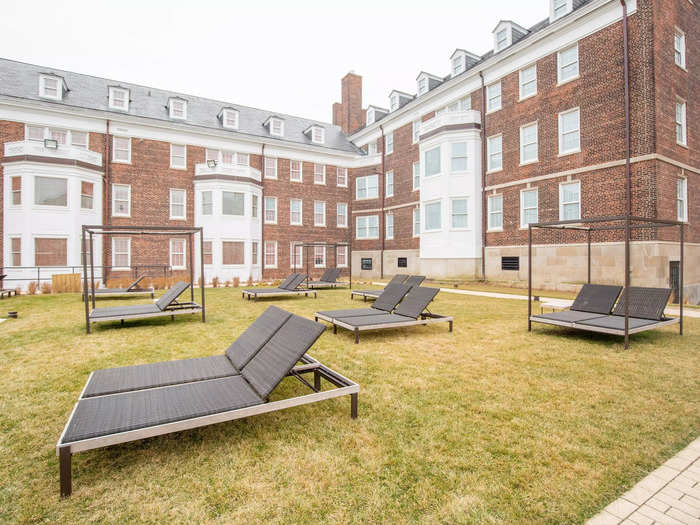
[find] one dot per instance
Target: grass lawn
(489, 424)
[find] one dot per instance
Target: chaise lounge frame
(252, 293)
(400, 278)
(6, 291)
(130, 291)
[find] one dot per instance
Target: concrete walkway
(669, 495)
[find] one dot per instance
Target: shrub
(45, 288)
(215, 282)
(250, 280)
(31, 288)
(236, 282)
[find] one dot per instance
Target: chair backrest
(288, 281)
(398, 278)
(645, 303)
(278, 356)
(415, 280)
(596, 298)
(390, 297)
(296, 282)
(256, 335)
(333, 274)
(416, 301)
(136, 282)
(168, 297)
(327, 276)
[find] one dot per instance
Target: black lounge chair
(593, 300)
(411, 312)
(99, 420)
(290, 286)
(133, 290)
(329, 279)
(166, 305)
(388, 300)
(399, 278)
(5, 291)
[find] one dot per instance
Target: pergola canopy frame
(314, 244)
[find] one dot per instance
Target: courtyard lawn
(488, 424)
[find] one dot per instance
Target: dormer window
(422, 85)
(318, 135)
(119, 98)
(394, 102)
(369, 119)
(457, 65)
(275, 126)
(51, 87)
(501, 39)
(559, 8)
(178, 108)
(229, 118)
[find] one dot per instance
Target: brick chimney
(348, 114)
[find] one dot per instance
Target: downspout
(261, 211)
(382, 219)
(484, 160)
(628, 176)
(106, 198)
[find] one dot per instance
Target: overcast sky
(285, 56)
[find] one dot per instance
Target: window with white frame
(457, 65)
(495, 212)
(178, 206)
(389, 226)
(501, 39)
(16, 251)
(254, 207)
(16, 188)
(270, 210)
(679, 48)
(207, 203)
(493, 97)
(119, 98)
(296, 254)
(35, 133)
(59, 135)
(319, 213)
(254, 253)
(79, 139)
(416, 176)
(319, 256)
(212, 154)
(394, 102)
(458, 160)
(319, 173)
(232, 252)
(529, 207)
(87, 192)
(50, 191)
(341, 179)
(416, 222)
(318, 135)
(341, 215)
(369, 117)
(567, 64)
(178, 156)
(372, 148)
(433, 216)
(559, 8)
(432, 162)
(229, 118)
(233, 203)
(570, 201)
(367, 227)
(528, 143)
(276, 127)
(270, 254)
(178, 108)
(422, 86)
(121, 200)
(528, 81)
(367, 187)
(569, 132)
(121, 149)
(50, 87)
(389, 143)
(681, 137)
(295, 171)
(121, 253)
(341, 256)
(242, 159)
(270, 167)
(494, 152)
(295, 213)
(682, 199)
(177, 254)
(389, 184)
(416, 131)
(208, 252)
(460, 213)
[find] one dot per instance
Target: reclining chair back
(596, 298)
(256, 335)
(135, 283)
(391, 296)
(168, 297)
(415, 280)
(416, 301)
(327, 276)
(300, 277)
(288, 281)
(397, 279)
(645, 303)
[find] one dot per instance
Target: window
(35, 133)
(569, 132)
(341, 215)
(494, 152)
(178, 156)
(59, 135)
(495, 210)
(16, 191)
(457, 65)
(242, 159)
(422, 86)
(212, 154)
(680, 123)
(319, 256)
(458, 161)
(459, 105)
(559, 8)
(318, 135)
(367, 187)
(270, 254)
(416, 131)
(319, 174)
(79, 139)
(432, 162)
(682, 199)
(319, 213)
(295, 216)
(121, 200)
(177, 254)
(567, 64)
(570, 201)
(229, 118)
(510, 263)
(528, 81)
(276, 127)
(207, 203)
(270, 168)
(178, 108)
(121, 151)
(389, 143)
(367, 227)
(402, 262)
(121, 253)
(16, 251)
(87, 190)
(178, 204)
(119, 98)
(232, 203)
(254, 207)
(295, 170)
(433, 216)
(341, 256)
(50, 87)
(389, 184)
(232, 252)
(366, 263)
(369, 117)
(50, 251)
(501, 39)
(372, 148)
(342, 177)
(493, 97)
(50, 191)
(416, 222)
(528, 143)
(529, 204)
(270, 210)
(389, 226)
(208, 252)
(394, 102)
(460, 213)
(254, 253)
(416, 176)
(296, 254)
(679, 48)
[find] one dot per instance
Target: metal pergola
(314, 244)
(609, 223)
(89, 231)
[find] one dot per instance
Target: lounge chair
(133, 290)
(373, 294)
(329, 279)
(593, 300)
(388, 300)
(412, 311)
(254, 370)
(5, 291)
(166, 305)
(290, 286)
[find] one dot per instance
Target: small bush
(31, 288)
(236, 282)
(250, 280)
(215, 282)
(45, 288)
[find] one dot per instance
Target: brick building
(441, 182)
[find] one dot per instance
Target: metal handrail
(134, 269)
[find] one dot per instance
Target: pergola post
(529, 277)
(680, 278)
(85, 285)
(92, 270)
(588, 240)
(201, 271)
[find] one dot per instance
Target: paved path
(669, 495)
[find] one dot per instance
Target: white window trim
(560, 135)
(346, 178)
(520, 82)
(184, 254)
(488, 97)
(424, 164)
(274, 265)
(171, 107)
(415, 126)
(55, 207)
(225, 115)
(488, 213)
(425, 216)
(488, 154)
(345, 249)
(679, 31)
(321, 131)
(114, 252)
(559, 65)
(456, 228)
(233, 265)
(318, 224)
(685, 199)
(466, 156)
(387, 143)
(265, 221)
(323, 264)
(386, 226)
(416, 234)
(114, 198)
(388, 175)
(255, 261)
(561, 203)
(684, 123)
(201, 203)
(267, 174)
(552, 15)
(413, 176)
(112, 91)
(301, 212)
(357, 180)
(323, 170)
(301, 171)
(523, 225)
(184, 158)
(337, 225)
(114, 150)
(272, 127)
(357, 229)
(59, 87)
(524, 162)
(184, 205)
